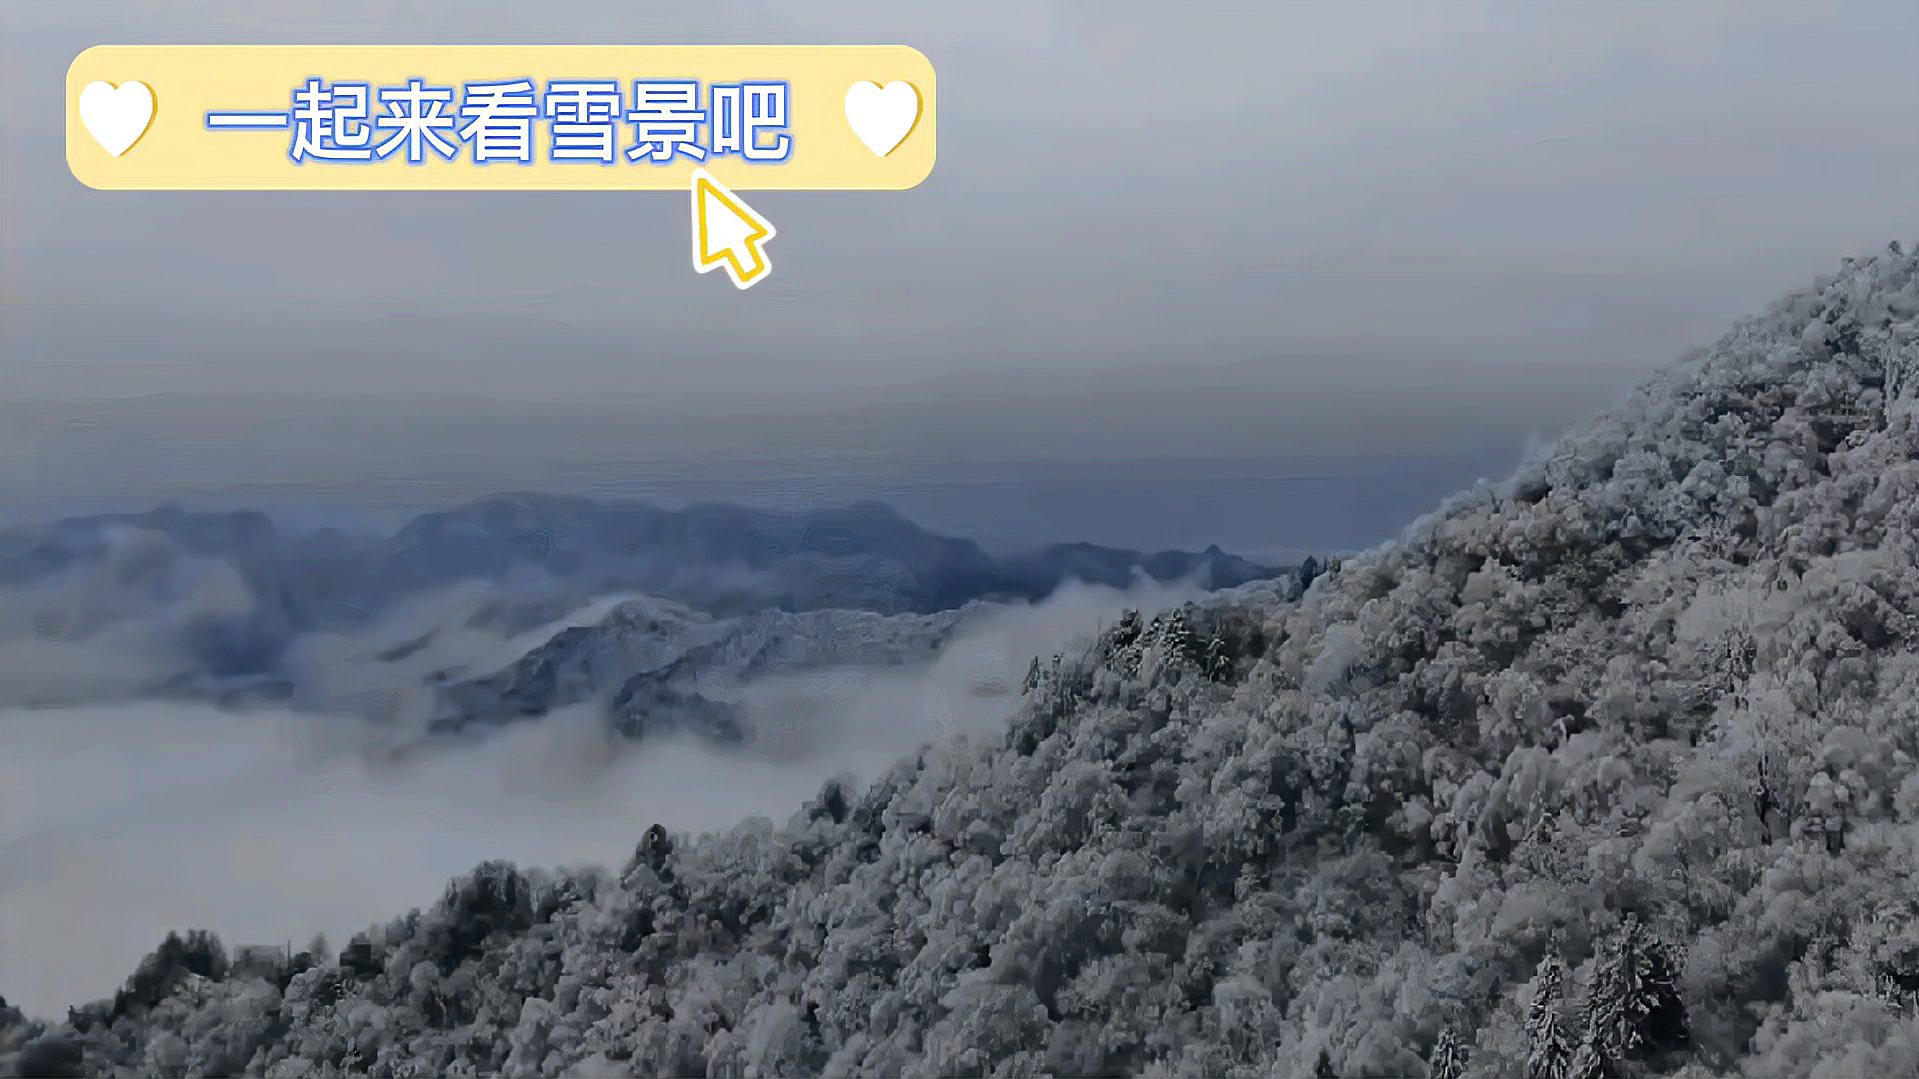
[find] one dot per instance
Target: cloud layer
(118, 823)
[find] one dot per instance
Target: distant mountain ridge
(656, 665)
(722, 559)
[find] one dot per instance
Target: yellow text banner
(514, 117)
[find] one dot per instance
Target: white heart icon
(116, 116)
(882, 116)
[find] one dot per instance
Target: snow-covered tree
(1550, 1047)
(1448, 1058)
(1633, 1007)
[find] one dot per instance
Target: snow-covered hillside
(1610, 768)
(657, 665)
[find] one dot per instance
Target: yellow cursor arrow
(727, 232)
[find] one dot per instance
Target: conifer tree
(1308, 570)
(1448, 1058)
(1177, 636)
(1551, 1052)
(1633, 1008)
(1590, 1062)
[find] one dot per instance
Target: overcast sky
(1265, 243)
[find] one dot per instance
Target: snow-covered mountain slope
(1609, 768)
(659, 665)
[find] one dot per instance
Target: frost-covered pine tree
(1177, 636)
(1123, 634)
(1540, 847)
(1217, 664)
(1308, 571)
(1549, 1048)
(1633, 1008)
(1448, 1058)
(1589, 1061)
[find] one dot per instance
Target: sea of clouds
(121, 821)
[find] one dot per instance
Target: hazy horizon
(1377, 246)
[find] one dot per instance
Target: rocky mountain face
(1610, 768)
